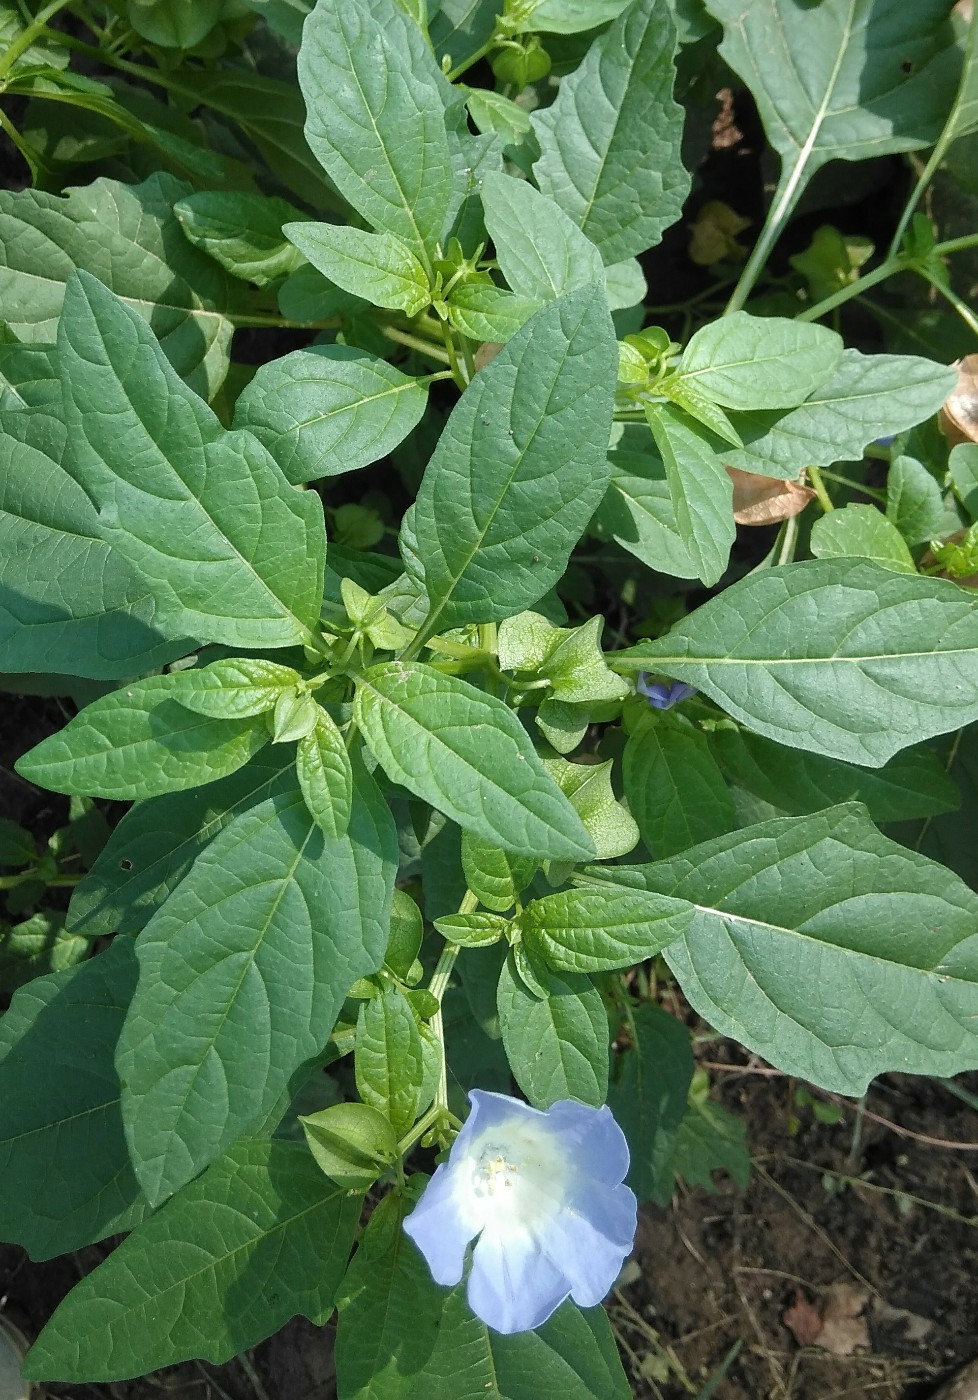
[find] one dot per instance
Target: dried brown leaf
(844, 1326)
(761, 500)
(803, 1320)
(959, 416)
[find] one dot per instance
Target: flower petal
(440, 1228)
(592, 1140)
(590, 1240)
(513, 1286)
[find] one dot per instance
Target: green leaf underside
(520, 466)
(260, 1237)
(248, 569)
(329, 409)
(675, 790)
(68, 602)
(791, 906)
(138, 742)
(838, 656)
(242, 974)
(128, 237)
(610, 143)
(557, 1046)
(61, 1138)
(467, 754)
(648, 1097)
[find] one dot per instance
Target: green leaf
(491, 112)
(674, 788)
(325, 775)
(329, 409)
(572, 1355)
(68, 602)
(648, 1096)
(467, 754)
(157, 841)
(36, 946)
(243, 973)
(29, 378)
(235, 555)
(380, 267)
(913, 500)
(913, 783)
(60, 1121)
(376, 101)
(41, 52)
(836, 656)
(389, 1311)
(520, 466)
(790, 905)
(949, 838)
(711, 1139)
(474, 930)
(242, 232)
(847, 80)
(610, 142)
(867, 397)
(128, 236)
(485, 312)
(557, 1046)
(541, 251)
(16, 845)
(689, 396)
(138, 742)
(568, 16)
(236, 688)
(748, 362)
(588, 786)
(407, 931)
(638, 513)
(352, 1143)
(388, 1059)
(595, 930)
(258, 1238)
(700, 490)
(495, 877)
(862, 532)
(176, 24)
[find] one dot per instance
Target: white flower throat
(514, 1185)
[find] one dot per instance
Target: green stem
(854, 289)
(452, 352)
(29, 156)
(777, 217)
(818, 486)
(788, 545)
(853, 485)
(471, 61)
(258, 320)
(960, 306)
(438, 986)
(414, 342)
(10, 882)
(29, 35)
(923, 180)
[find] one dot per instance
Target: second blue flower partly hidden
(542, 1195)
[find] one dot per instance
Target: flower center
(516, 1185)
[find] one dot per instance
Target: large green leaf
(638, 513)
(700, 490)
(232, 552)
(610, 142)
(834, 655)
(158, 840)
(68, 602)
(868, 396)
(843, 80)
(648, 1096)
(329, 409)
(861, 532)
(380, 267)
(376, 101)
(139, 742)
(520, 466)
(128, 236)
(467, 754)
(243, 973)
(674, 788)
(61, 1140)
(572, 1355)
(557, 1045)
(243, 232)
(260, 1237)
(949, 838)
(827, 948)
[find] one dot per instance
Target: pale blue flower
(663, 694)
(542, 1196)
